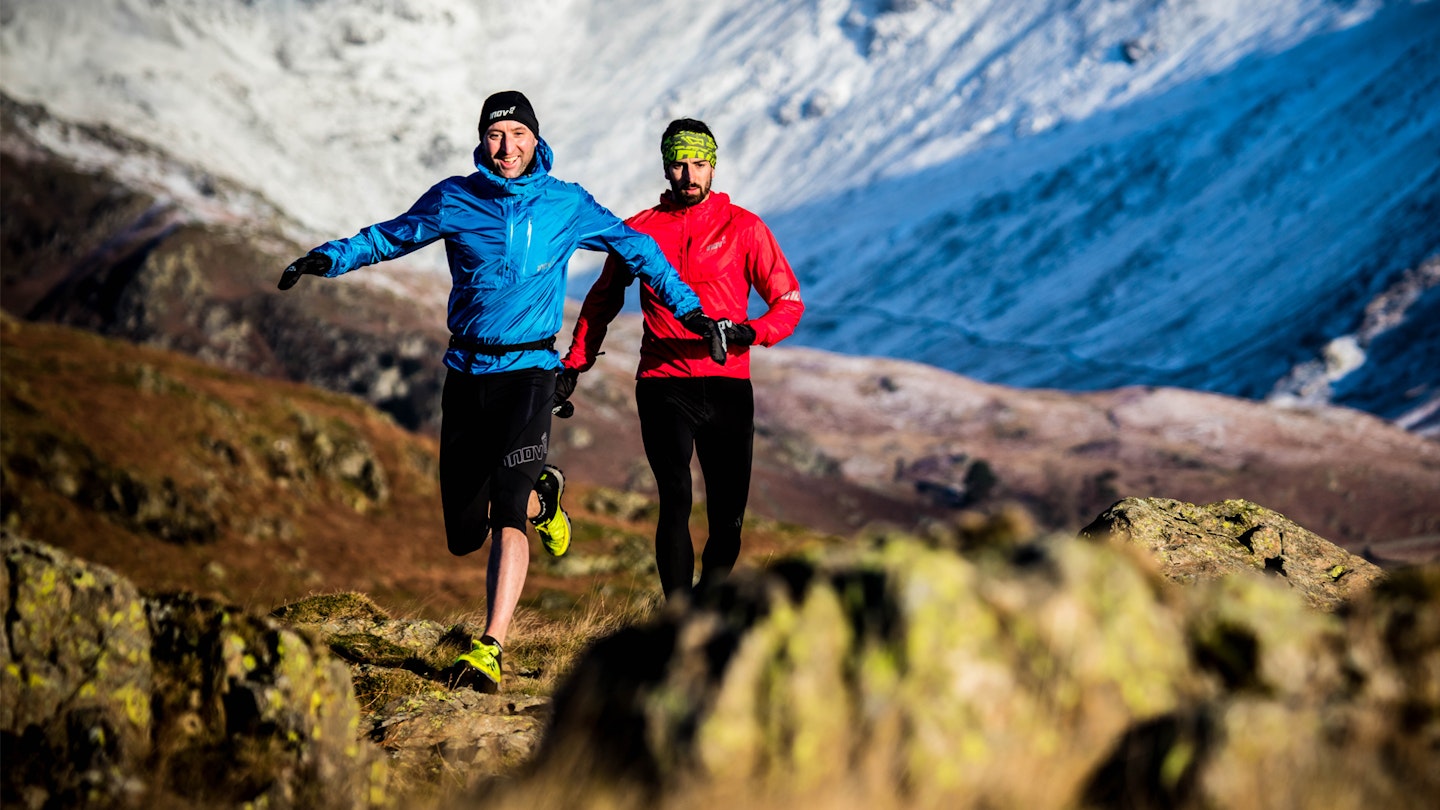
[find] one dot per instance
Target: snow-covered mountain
(1225, 195)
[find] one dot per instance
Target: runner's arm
(769, 272)
(642, 257)
(392, 239)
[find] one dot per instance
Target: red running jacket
(721, 251)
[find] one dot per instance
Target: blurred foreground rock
(1045, 673)
(108, 698)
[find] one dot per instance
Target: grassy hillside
(183, 475)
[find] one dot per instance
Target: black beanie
(508, 105)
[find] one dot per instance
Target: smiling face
(690, 180)
(511, 147)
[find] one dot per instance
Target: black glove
(311, 264)
(698, 322)
(740, 334)
(565, 380)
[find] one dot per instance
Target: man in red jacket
(692, 399)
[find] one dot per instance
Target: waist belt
(470, 344)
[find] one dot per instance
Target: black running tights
(714, 419)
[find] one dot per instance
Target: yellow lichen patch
(49, 578)
(235, 653)
(730, 739)
(136, 704)
(816, 706)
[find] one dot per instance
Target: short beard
(677, 194)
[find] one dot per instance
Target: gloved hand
(741, 334)
(698, 322)
(565, 380)
(311, 264)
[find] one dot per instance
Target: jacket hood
(539, 167)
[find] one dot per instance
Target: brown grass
(542, 649)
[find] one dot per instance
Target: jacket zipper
(512, 209)
(685, 232)
(509, 206)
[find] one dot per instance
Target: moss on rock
(331, 608)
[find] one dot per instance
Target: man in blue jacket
(509, 231)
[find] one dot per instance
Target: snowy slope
(1206, 235)
(1078, 194)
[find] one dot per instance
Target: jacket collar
(544, 159)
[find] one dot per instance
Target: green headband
(688, 146)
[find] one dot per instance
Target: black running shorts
(494, 435)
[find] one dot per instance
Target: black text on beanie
(508, 105)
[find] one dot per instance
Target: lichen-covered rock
(238, 688)
(1366, 733)
(109, 698)
(1194, 543)
(904, 668)
(1256, 636)
(76, 684)
(1050, 674)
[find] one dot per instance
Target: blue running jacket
(508, 243)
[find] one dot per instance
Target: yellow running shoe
(552, 523)
(484, 657)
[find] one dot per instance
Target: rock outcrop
(411, 710)
(76, 717)
(1194, 543)
(111, 698)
